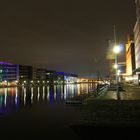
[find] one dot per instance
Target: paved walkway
(131, 93)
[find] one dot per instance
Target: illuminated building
(25, 73)
(136, 34)
(29, 75)
(8, 73)
(63, 77)
(137, 41)
(60, 77)
(70, 78)
(40, 74)
(50, 76)
(130, 56)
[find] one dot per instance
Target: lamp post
(116, 50)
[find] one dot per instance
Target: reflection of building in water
(38, 93)
(65, 92)
(5, 92)
(16, 98)
(48, 92)
(55, 92)
(78, 89)
(51, 95)
(62, 92)
(43, 92)
(24, 95)
(8, 99)
(32, 94)
(2, 103)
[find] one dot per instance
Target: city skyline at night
(67, 36)
(69, 69)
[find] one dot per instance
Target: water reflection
(13, 99)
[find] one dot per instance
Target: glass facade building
(8, 72)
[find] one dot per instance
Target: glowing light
(32, 95)
(115, 66)
(5, 101)
(116, 49)
(43, 92)
(38, 96)
(24, 90)
(119, 72)
(55, 92)
(129, 79)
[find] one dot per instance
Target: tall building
(130, 56)
(137, 42)
(137, 35)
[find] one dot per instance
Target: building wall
(137, 35)
(130, 56)
(8, 72)
(40, 74)
(25, 73)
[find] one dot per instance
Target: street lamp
(116, 51)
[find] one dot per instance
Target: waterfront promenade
(107, 114)
(96, 114)
(131, 92)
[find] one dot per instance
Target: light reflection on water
(13, 99)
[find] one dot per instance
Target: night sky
(64, 35)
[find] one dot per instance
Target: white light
(119, 71)
(115, 66)
(129, 78)
(116, 49)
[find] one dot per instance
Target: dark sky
(66, 35)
